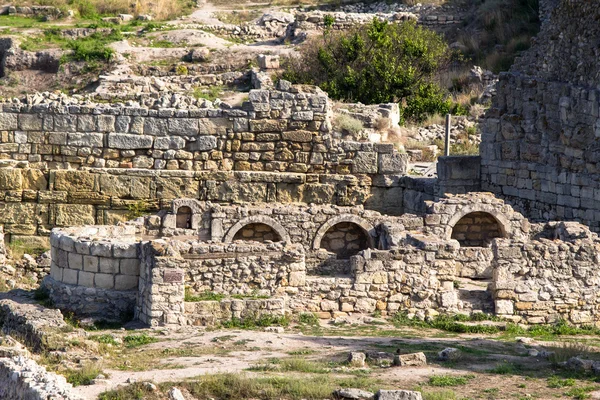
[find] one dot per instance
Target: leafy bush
(377, 63)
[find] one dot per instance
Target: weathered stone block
(104, 281)
(70, 276)
(126, 141)
(130, 266)
(126, 282)
(75, 261)
(86, 279)
(75, 214)
(365, 162)
(90, 263)
(10, 179)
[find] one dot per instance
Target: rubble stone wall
(208, 313)
(544, 281)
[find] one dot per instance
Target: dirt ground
(495, 367)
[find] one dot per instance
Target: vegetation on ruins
(378, 63)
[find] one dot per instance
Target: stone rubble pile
(23, 378)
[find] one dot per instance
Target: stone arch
(503, 222)
(184, 218)
(257, 219)
(193, 204)
(362, 223)
(477, 228)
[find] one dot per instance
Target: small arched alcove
(258, 228)
(345, 239)
(184, 218)
(257, 232)
(477, 229)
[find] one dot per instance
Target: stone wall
(544, 281)
(101, 272)
(539, 139)
(69, 162)
(208, 313)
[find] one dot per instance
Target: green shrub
(347, 124)
(377, 63)
(138, 340)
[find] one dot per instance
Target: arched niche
(257, 221)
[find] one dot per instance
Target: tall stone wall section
(539, 140)
(77, 164)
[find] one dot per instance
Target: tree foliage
(375, 63)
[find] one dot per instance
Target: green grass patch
(308, 319)
(294, 364)
(83, 376)
(138, 340)
(18, 248)
(105, 339)
(449, 380)
(580, 393)
(210, 93)
(240, 386)
(556, 382)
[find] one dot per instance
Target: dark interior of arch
(257, 233)
(184, 218)
(345, 240)
(477, 229)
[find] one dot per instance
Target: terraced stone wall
(77, 164)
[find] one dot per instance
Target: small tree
(376, 63)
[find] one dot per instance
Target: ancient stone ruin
(145, 206)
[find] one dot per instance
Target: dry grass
(159, 9)
(565, 350)
(237, 17)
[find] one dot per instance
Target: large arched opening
(477, 229)
(345, 240)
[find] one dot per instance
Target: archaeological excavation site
(299, 200)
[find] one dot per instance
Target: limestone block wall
(212, 312)
(539, 140)
(545, 281)
(95, 270)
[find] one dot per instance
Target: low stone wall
(22, 378)
(239, 268)
(544, 281)
(207, 313)
(243, 268)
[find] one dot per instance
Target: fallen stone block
(449, 354)
(357, 359)
(410, 360)
(398, 395)
(353, 394)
